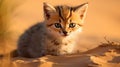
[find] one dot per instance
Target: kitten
(56, 35)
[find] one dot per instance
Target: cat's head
(64, 20)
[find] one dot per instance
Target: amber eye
(72, 25)
(57, 25)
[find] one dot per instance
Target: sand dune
(105, 55)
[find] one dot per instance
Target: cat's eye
(57, 25)
(72, 25)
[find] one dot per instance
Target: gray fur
(38, 41)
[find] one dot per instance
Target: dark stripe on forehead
(60, 11)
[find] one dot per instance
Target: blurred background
(102, 20)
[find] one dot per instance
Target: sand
(105, 55)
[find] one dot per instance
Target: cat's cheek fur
(54, 32)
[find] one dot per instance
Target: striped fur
(65, 15)
(56, 35)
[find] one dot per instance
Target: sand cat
(56, 35)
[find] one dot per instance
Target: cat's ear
(81, 9)
(48, 9)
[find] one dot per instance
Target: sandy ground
(103, 19)
(105, 55)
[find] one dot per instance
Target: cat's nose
(65, 33)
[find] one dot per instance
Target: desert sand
(105, 55)
(103, 20)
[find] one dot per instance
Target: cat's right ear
(81, 10)
(48, 10)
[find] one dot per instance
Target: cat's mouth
(65, 34)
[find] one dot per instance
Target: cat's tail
(12, 54)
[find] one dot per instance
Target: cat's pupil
(72, 25)
(57, 25)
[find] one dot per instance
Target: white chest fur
(69, 42)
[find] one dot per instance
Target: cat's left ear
(82, 10)
(48, 10)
